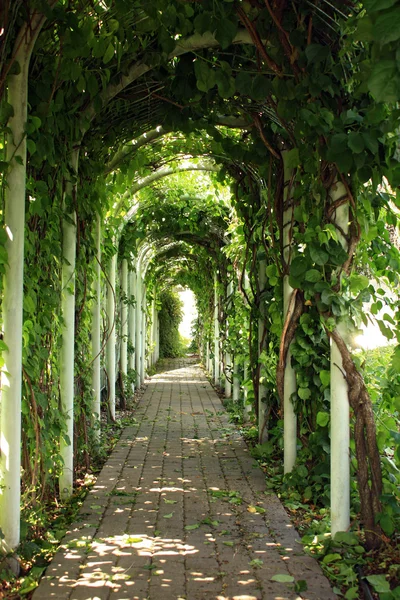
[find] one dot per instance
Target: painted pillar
(157, 338)
(228, 355)
(216, 373)
(152, 332)
(340, 412)
(138, 347)
(154, 337)
(111, 339)
(262, 390)
(124, 318)
(67, 353)
(96, 334)
(132, 322)
(236, 381)
(290, 386)
(143, 337)
(12, 306)
(246, 365)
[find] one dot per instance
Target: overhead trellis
(306, 153)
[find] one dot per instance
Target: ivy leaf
(364, 174)
(387, 524)
(325, 377)
(243, 83)
(344, 161)
(3, 346)
(323, 419)
(192, 527)
(292, 158)
(299, 266)
(384, 83)
(396, 360)
(92, 84)
(313, 275)
(304, 393)
(316, 53)
(261, 87)
(108, 54)
(379, 583)
(318, 255)
(256, 562)
(81, 84)
(387, 26)
(204, 22)
(205, 76)
(371, 141)
(226, 31)
(6, 112)
(169, 516)
(346, 537)
(282, 578)
(374, 5)
(355, 142)
(358, 283)
(225, 81)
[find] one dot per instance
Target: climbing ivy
(318, 82)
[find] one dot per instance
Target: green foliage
(170, 316)
(384, 384)
(328, 95)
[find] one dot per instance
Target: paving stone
(130, 540)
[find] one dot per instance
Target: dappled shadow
(179, 511)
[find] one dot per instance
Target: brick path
(179, 511)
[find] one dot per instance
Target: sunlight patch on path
(179, 512)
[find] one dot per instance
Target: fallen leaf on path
(256, 562)
(282, 578)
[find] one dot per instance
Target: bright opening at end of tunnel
(188, 300)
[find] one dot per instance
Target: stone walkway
(179, 511)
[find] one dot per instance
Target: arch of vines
(248, 150)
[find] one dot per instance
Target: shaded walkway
(179, 512)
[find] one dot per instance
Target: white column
(96, 334)
(124, 317)
(262, 390)
(247, 407)
(67, 354)
(14, 219)
(246, 366)
(216, 373)
(158, 338)
(236, 381)
(340, 413)
(111, 339)
(154, 333)
(228, 355)
(132, 321)
(143, 337)
(138, 346)
(290, 386)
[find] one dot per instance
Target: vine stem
(36, 427)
